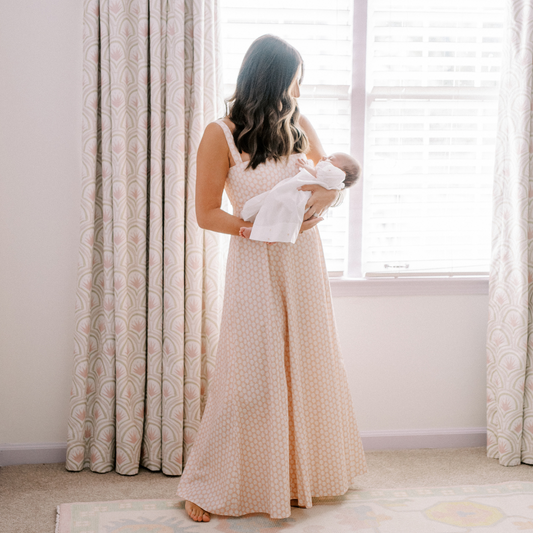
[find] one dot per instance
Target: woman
(279, 422)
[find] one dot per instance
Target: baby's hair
(353, 173)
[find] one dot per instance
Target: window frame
(353, 283)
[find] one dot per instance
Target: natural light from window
(432, 78)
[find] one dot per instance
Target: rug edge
(440, 487)
(63, 517)
(58, 514)
(354, 490)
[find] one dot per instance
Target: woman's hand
(319, 200)
(308, 224)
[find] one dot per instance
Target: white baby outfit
(278, 214)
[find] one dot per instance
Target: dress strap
(231, 143)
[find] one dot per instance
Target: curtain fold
(510, 325)
(148, 295)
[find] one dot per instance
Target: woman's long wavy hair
(264, 113)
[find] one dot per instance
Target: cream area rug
(503, 507)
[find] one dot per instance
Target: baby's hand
(302, 163)
(245, 232)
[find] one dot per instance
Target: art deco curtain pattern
(510, 327)
(147, 304)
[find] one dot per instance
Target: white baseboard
(398, 439)
(403, 439)
(33, 453)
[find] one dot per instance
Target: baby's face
(338, 159)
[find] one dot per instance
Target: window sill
(423, 286)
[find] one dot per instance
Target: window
(432, 84)
(418, 107)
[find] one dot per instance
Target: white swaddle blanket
(278, 214)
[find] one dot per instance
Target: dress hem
(273, 517)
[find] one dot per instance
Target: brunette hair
(353, 172)
(264, 113)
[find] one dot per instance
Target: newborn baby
(278, 214)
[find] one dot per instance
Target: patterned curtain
(147, 304)
(510, 327)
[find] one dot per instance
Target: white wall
(40, 154)
(413, 362)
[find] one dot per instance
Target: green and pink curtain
(148, 294)
(510, 326)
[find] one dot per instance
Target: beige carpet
(29, 494)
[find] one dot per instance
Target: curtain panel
(510, 325)
(148, 294)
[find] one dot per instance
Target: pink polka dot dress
(279, 422)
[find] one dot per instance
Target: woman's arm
(211, 172)
(316, 151)
(320, 198)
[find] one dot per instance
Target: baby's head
(347, 164)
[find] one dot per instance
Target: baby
(278, 214)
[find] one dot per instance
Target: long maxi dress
(279, 423)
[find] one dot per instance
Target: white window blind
(322, 33)
(432, 76)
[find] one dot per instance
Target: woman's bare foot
(196, 513)
(245, 232)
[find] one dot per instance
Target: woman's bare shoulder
(229, 123)
(214, 131)
(214, 140)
